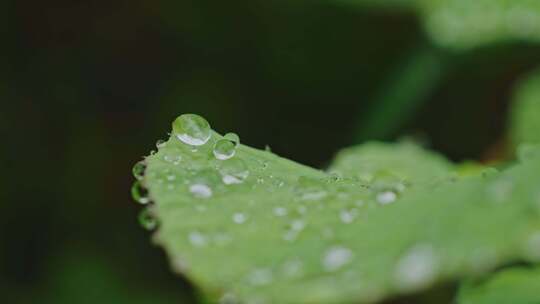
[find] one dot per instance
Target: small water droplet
(192, 129)
(200, 190)
(239, 218)
(161, 144)
(348, 216)
(202, 184)
(280, 211)
(233, 137)
(197, 239)
(359, 203)
(416, 269)
(298, 225)
(147, 220)
(310, 189)
(224, 149)
(336, 257)
(292, 268)
(139, 193)
(386, 197)
(233, 171)
(260, 277)
(173, 158)
(138, 170)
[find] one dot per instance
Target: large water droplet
(192, 129)
(224, 149)
(336, 257)
(233, 171)
(138, 170)
(147, 220)
(139, 193)
(416, 269)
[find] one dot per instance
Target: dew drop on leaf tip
(139, 193)
(138, 170)
(147, 220)
(192, 129)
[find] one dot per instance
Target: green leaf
(510, 286)
(525, 111)
(287, 233)
(466, 24)
(405, 160)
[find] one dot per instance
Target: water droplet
(260, 277)
(298, 225)
(173, 158)
(224, 149)
(161, 144)
(233, 137)
(310, 189)
(280, 211)
(336, 257)
(233, 171)
(239, 218)
(416, 268)
(202, 184)
(348, 216)
(386, 197)
(138, 170)
(200, 190)
(292, 268)
(192, 129)
(139, 193)
(197, 239)
(147, 220)
(359, 203)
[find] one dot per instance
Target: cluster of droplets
(140, 195)
(194, 131)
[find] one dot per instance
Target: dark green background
(87, 87)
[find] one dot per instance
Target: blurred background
(87, 87)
